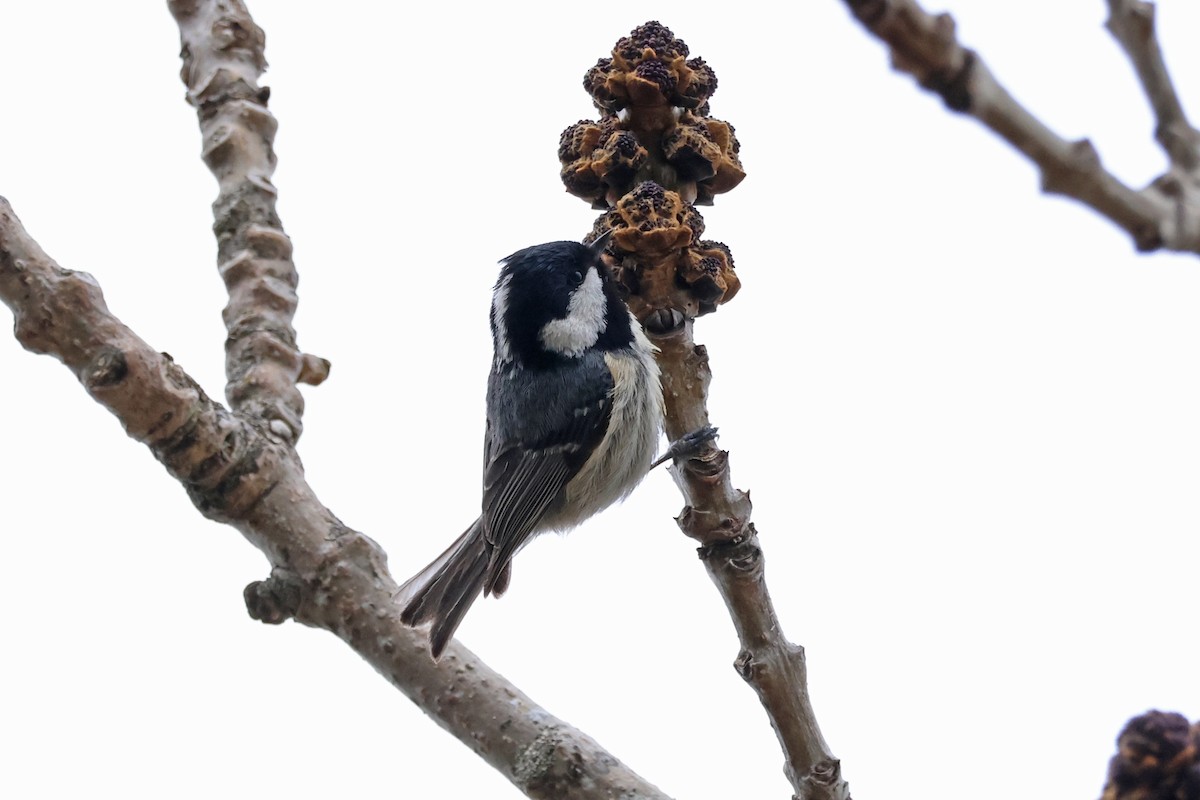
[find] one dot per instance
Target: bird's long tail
(444, 590)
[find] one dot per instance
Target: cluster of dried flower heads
(652, 157)
(1158, 758)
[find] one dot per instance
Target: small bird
(574, 411)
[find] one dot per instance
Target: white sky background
(967, 412)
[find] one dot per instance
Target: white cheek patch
(585, 319)
(499, 310)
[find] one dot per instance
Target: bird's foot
(687, 445)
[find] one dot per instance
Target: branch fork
(1164, 215)
(239, 465)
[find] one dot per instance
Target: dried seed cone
(650, 159)
(662, 100)
(1158, 758)
(658, 258)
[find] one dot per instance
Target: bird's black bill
(598, 244)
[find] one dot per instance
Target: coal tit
(574, 410)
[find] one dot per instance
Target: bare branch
(654, 152)
(324, 574)
(222, 61)
(718, 516)
(1166, 214)
(1131, 23)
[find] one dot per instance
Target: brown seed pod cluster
(704, 151)
(655, 125)
(649, 68)
(659, 260)
(1158, 758)
(600, 160)
(653, 155)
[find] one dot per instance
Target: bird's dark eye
(577, 276)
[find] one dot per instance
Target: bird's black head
(555, 301)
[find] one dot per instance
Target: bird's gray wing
(539, 435)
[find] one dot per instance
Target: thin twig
(325, 575)
(222, 52)
(1165, 214)
(1131, 23)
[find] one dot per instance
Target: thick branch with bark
(1166, 214)
(222, 52)
(324, 574)
(240, 467)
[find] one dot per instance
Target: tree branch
(718, 516)
(324, 574)
(222, 52)
(1131, 22)
(1157, 752)
(1165, 214)
(654, 154)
